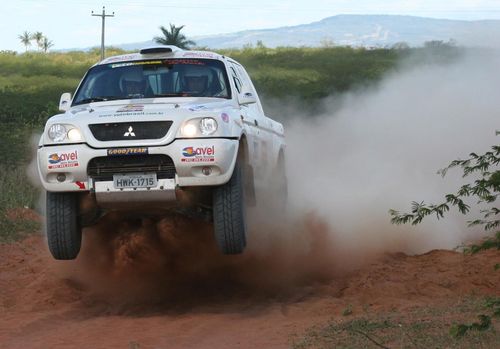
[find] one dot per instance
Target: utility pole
(103, 16)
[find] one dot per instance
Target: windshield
(154, 78)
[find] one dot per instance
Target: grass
(425, 327)
(17, 193)
(15, 230)
(16, 189)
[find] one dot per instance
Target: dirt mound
(159, 284)
(405, 281)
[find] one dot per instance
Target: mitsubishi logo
(130, 132)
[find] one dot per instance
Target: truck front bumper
(198, 162)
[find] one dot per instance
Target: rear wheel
(64, 233)
(229, 213)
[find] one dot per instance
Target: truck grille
(103, 168)
(119, 131)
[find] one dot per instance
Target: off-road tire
(229, 213)
(64, 233)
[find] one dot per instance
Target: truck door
(263, 125)
(250, 122)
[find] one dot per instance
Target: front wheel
(229, 213)
(64, 233)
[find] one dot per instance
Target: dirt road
(158, 285)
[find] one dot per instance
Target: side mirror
(65, 101)
(246, 98)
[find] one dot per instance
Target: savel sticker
(199, 154)
(63, 160)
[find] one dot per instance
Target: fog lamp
(61, 177)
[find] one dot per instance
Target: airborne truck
(155, 131)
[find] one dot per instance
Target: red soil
(163, 285)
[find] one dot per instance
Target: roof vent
(158, 49)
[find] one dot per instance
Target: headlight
(57, 133)
(189, 130)
(199, 127)
(75, 135)
(208, 126)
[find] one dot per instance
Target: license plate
(135, 180)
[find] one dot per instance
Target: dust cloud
(381, 150)
(32, 173)
(376, 150)
(143, 265)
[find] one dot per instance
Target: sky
(69, 24)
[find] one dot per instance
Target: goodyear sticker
(63, 160)
(127, 151)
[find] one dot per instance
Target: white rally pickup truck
(159, 130)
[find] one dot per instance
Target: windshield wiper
(97, 99)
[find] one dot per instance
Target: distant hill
(364, 30)
(358, 30)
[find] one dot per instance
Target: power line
(103, 16)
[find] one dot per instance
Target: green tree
(38, 37)
(46, 44)
(260, 44)
(173, 37)
(485, 189)
(25, 39)
(433, 44)
(400, 45)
